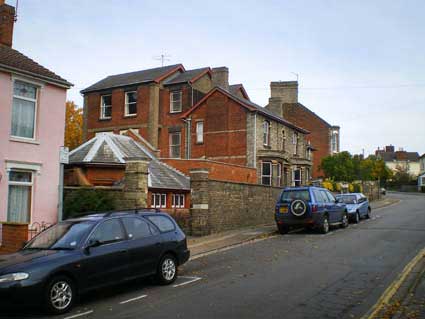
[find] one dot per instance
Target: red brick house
(323, 136)
(196, 115)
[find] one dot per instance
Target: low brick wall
(13, 237)
(218, 206)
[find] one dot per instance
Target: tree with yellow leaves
(73, 125)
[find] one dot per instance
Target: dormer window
(175, 101)
(130, 103)
(105, 107)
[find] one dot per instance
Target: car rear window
(163, 223)
(290, 195)
(348, 199)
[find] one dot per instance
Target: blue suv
(313, 207)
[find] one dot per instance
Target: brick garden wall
(13, 237)
(219, 206)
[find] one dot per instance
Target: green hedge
(77, 202)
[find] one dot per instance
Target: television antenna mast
(163, 57)
(297, 75)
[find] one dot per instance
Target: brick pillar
(136, 184)
(13, 237)
(199, 211)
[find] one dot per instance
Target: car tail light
(314, 208)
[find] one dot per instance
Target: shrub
(87, 200)
(357, 188)
(328, 185)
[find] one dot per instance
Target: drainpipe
(255, 139)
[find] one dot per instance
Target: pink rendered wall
(49, 137)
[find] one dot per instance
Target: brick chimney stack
(282, 92)
(220, 77)
(7, 20)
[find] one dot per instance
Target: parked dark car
(357, 206)
(81, 254)
(313, 207)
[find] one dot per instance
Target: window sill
(177, 112)
(105, 119)
(199, 143)
(130, 115)
(23, 140)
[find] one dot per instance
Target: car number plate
(283, 210)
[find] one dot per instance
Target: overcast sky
(361, 64)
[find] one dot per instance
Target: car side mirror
(337, 201)
(91, 244)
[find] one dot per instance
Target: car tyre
(345, 221)
(60, 295)
(283, 229)
(324, 227)
(167, 270)
(368, 213)
(357, 218)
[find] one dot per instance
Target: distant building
(421, 177)
(399, 160)
(323, 136)
(32, 124)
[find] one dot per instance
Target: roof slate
(399, 156)
(110, 148)
(148, 75)
(186, 76)
(14, 60)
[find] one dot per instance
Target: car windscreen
(347, 199)
(65, 235)
(290, 195)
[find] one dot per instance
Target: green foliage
(357, 188)
(345, 167)
(86, 200)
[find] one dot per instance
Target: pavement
(201, 246)
(340, 275)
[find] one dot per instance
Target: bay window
(266, 173)
(159, 200)
(177, 201)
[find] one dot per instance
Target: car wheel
(368, 213)
(167, 270)
(357, 218)
(282, 229)
(324, 228)
(344, 222)
(60, 295)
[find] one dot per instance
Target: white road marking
(192, 279)
(79, 314)
(133, 299)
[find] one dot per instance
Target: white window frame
(295, 139)
(279, 174)
(269, 176)
(178, 201)
(126, 106)
(334, 142)
(173, 101)
(266, 133)
(200, 132)
(36, 101)
(25, 184)
(103, 107)
(283, 141)
(293, 176)
(157, 199)
(170, 140)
